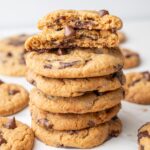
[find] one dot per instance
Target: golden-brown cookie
(75, 87)
(90, 102)
(137, 87)
(86, 138)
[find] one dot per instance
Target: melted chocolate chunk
(69, 31)
(13, 92)
(9, 54)
(2, 140)
(91, 123)
(146, 75)
(11, 124)
(67, 64)
(48, 66)
(44, 122)
(61, 51)
(98, 93)
(103, 13)
(71, 132)
(143, 134)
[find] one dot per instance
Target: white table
(132, 115)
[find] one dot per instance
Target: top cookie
(80, 19)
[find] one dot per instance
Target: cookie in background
(12, 62)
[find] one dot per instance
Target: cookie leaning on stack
(75, 65)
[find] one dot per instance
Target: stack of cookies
(76, 66)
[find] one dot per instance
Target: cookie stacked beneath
(75, 65)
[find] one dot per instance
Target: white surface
(23, 13)
(132, 115)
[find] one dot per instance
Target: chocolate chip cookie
(86, 138)
(144, 137)
(12, 52)
(69, 37)
(131, 58)
(80, 19)
(15, 135)
(75, 87)
(137, 87)
(13, 98)
(76, 63)
(71, 121)
(90, 102)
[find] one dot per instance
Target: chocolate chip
(2, 140)
(143, 134)
(67, 64)
(48, 66)
(71, 132)
(114, 133)
(141, 147)
(120, 78)
(1, 82)
(11, 124)
(91, 123)
(97, 93)
(22, 59)
(44, 122)
(103, 12)
(61, 51)
(9, 54)
(146, 75)
(69, 31)
(33, 82)
(13, 92)
(115, 118)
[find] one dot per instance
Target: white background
(25, 13)
(22, 15)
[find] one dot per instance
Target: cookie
(69, 37)
(77, 63)
(12, 55)
(15, 135)
(13, 98)
(15, 42)
(71, 121)
(144, 137)
(90, 102)
(86, 138)
(131, 58)
(121, 36)
(80, 19)
(137, 87)
(75, 87)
